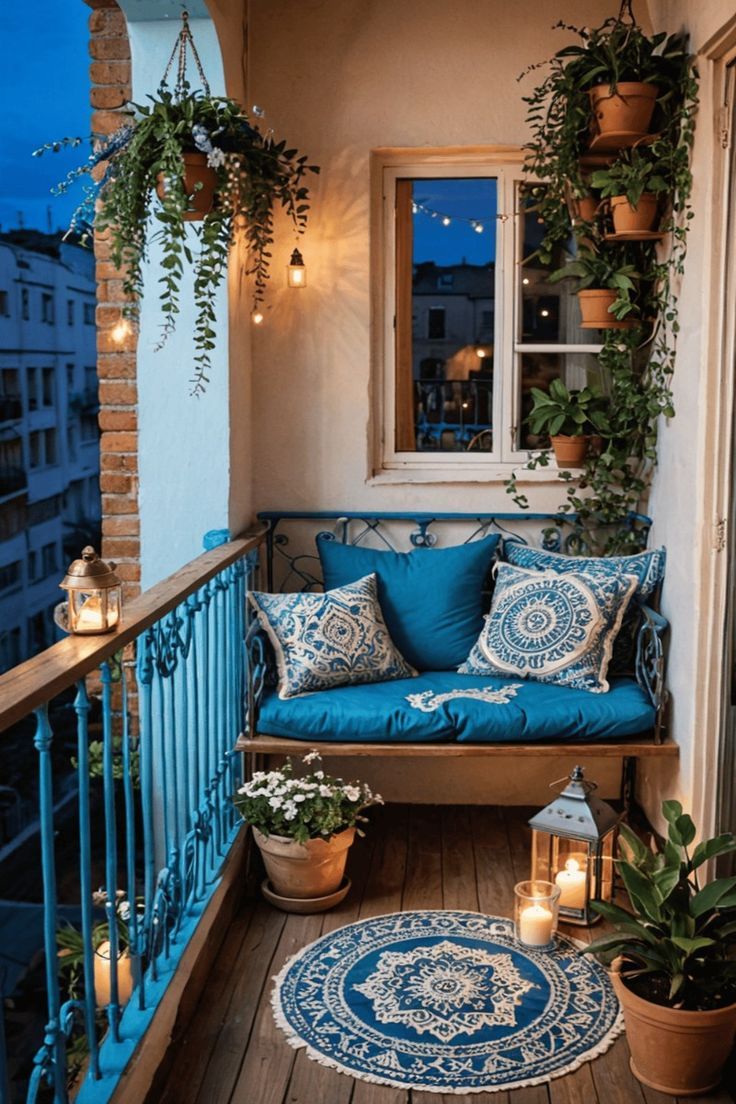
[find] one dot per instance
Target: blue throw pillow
(648, 567)
(331, 639)
(552, 628)
(432, 598)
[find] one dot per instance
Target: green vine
(635, 365)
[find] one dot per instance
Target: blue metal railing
(153, 812)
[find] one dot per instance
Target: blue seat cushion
(442, 706)
(432, 598)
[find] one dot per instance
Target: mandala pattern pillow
(552, 628)
(330, 639)
(648, 567)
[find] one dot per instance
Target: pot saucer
(305, 905)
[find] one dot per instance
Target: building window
(33, 388)
(89, 314)
(69, 378)
(10, 576)
(47, 388)
(470, 320)
(4, 304)
(25, 304)
(42, 445)
(9, 649)
(47, 307)
(32, 566)
(49, 560)
(70, 312)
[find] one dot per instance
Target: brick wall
(116, 360)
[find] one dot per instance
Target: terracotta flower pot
(196, 171)
(628, 110)
(628, 219)
(594, 306)
(311, 869)
(570, 452)
(675, 1052)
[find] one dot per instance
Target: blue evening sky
(469, 197)
(44, 80)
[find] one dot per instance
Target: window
(470, 320)
(89, 314)
(4, 304)
(69, 378)
(44, 510)
(42, 445)
(9, 649)
(70, 312)
(47, 389)
(10, 576)
(33, 388)
(32, 566)
(47, 307)
(48, 560)
(25, 304)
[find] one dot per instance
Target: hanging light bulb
(478, 227)
(446, 220)
(296, 271)
(257, 318)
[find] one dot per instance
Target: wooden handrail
(42, 677)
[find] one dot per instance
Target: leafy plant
(301, 808)
(679, 944)
(572, 413)
(254, 175)
(603, 270)
(635, 172)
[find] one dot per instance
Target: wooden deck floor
(413, 857)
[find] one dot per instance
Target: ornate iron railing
(157, 707)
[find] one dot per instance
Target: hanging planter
(189, 156)
(621, 113)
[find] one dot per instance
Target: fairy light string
(479, 225)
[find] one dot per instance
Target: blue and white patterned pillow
(330, 639)
(551, 628)
(648, 567)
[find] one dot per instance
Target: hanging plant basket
(621, 114)
(199, 183)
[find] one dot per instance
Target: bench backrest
(292, 562)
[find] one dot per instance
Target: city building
(49, 438)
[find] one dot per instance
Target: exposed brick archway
(110, 90)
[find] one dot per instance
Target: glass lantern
(94, 595)
(296, 271)
(573, 842)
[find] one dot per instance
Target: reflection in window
(446, 252)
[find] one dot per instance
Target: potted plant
(674, 957)
(304, 826)
(188, 155)
(607, 287)
(568, 418)
(634, 184)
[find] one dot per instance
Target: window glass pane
(549, 313)
(539, 369)
(446, 231)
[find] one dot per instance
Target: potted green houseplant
(607, 288)
(568, 418)
(304, 826)
(674, 957)
(189, 156)
(634, 184)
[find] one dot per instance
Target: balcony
(11, 409)
(13, 480)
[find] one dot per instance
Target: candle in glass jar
(536, 924)
(571, 881)
(102, 976)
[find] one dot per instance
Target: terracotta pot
(594, 306)
(311, 869)
(675, 1052)
(570, 452)
(628, 219)
(628, 110)
(196, 171)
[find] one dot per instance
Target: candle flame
(572, 865)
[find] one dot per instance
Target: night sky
(473, 198)
(45, 96)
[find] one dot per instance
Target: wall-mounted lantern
(296, 271)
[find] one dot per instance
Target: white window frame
(389, 465)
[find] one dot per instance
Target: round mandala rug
(445, 1002)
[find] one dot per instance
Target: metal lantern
(94, 595)
(573, 845)
(296, 271)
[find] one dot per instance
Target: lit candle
(571, 881)
(90, 615)
(102, 976)
(535, 926)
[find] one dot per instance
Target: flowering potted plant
(674, 957)
(188, 156)
(304, 827)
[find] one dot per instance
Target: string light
(525, 281)
(120, 331)
(446, 220)
(257, 318)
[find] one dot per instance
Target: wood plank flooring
(413, 857)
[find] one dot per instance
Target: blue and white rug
(445, 1002)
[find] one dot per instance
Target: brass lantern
(573, 846)
(94, 595)
(296, 271)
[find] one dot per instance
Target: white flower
(312, 755)
(276, 802)
(352, 793)
(124, 910)
(290, 810)
(319, 774)
(325, 791)
(215, 158)
(300, 797)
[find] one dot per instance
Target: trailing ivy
(636, 365)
